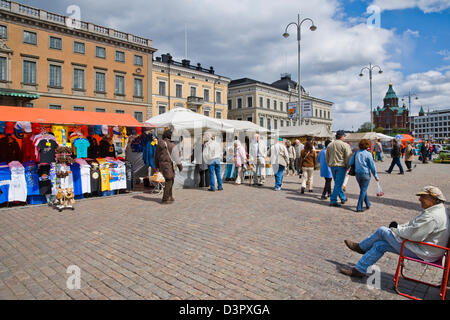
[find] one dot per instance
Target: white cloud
(426, 6)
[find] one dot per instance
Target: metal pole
(299, 107)
(371, 113)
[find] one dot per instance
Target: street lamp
(298, 24)
(371, 68)
(409, 105)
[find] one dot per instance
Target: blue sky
(243, 39)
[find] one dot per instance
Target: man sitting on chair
(431, 226)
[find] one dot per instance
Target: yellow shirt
(58, 132)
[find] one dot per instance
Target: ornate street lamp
(370, 68)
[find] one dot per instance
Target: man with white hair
(279, 159)
(258, 153)
(213, 154)
(430, 226)
(298, 146)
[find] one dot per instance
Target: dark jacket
(395, 151)
(163, 161)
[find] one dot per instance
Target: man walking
(338, 156)
(258, 153)
(396, 154)
(213, 155)
(298, 146)
(279, 159)
(378, 148)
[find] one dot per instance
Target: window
(275, 124)
(3, 69)
(230, 104)
(120, 111)
(119, 85)
(178, 90)
(206, 95)
(78, 108)
(29, 37)
(218, 97)
(249, 102)
(78, 79)
(281, 123)
(100, 82)
(320, 113)
(78, 47)
(138, 92)
(268, 103)
(269, 126)
(218, 115)
(120, 56)
(3, 32)
(162, 109)
(275, 105)
(29, 72)
(139, 116)
(162, 88)
(193, 91)
(239, 103)
(250, 119)
(29, 105)
(100, 52)
(54, 79)
(55, 43)
(54, 106)
(316, 112)
(261, 102)
(100, 110)
(281, 106)
(261, 121)
(206, 113)
(329, 115)
(138, 61)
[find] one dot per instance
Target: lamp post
(298, 24)
(409, 105)
(371, 68)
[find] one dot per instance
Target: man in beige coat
(430, 226)
(279, 158)
(409, 156)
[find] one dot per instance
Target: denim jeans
(279, 176)
(378, 155)
(376, 245)
(363, 181)
(214, 168)
(395, 161)
(339, 177)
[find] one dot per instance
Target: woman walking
(307, 162)
(325, 171)
(239, 161)
(364, 166)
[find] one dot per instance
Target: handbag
(352, 172)
(174, 165)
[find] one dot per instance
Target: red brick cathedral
(391, 115)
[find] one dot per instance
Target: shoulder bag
(352, 172)
(174, 165)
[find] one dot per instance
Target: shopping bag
(380, 192)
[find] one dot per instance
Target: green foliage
(365, 127)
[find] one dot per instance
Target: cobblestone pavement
(241, 243)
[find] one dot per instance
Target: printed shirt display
(32, 179)
(85, 172)
(5, 180)
(18, 186)
(104, 174)
(46, 150)
(45, 184)
(60, 133)
(118, 175)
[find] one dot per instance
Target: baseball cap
(36, 128)
(105, 129)
(23, 126)
(98, 129)
(115, 130)
(341, 133)
(432, 191)
(9, 128)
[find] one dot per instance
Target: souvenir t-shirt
(95, 179)
(31, 178)
(47, 151)
(106, 149)
(45, 184)
(5, 180)
(81, 146)
(76, 174)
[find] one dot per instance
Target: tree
(365, 127)
(379, 130)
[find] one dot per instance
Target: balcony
(194, 101)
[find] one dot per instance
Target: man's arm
(417, 229)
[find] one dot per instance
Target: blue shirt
(325, 170)
(364, 164)
(82, 146)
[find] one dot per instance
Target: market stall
(57, 156)
(319, 133)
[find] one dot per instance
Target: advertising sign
(292, 110)
(307, 110)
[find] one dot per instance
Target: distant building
(434, 125)
(391, 116)
(267, 104)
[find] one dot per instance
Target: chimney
(158, 59)
(185, 63)
(211, 70)
(166, 58)
(199, 66)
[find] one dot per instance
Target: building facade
(434, 125)
(51, 61)
(391, 116)
(180, 84)
(267, 104)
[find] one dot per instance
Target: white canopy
(314, 130)
(384, 137)
(181, 118)
(242, 125)
(357, 136)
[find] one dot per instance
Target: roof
(18, 93)
(390, 94)
(69, 117)
(315, 130)
(286, 83)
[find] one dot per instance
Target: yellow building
(51, 61)
(180, 84)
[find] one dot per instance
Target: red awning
(68, 117)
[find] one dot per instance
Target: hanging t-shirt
(18, 186)
(5, 180)
(46, 150)
(60, 133)
(10, 149)
(106, 149)
(85, 171)
(81, 146)
(28, 148)
(76, 174)
(45, 184)
(95, 179)
(32, 179)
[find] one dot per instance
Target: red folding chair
(441, 263)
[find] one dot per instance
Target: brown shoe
(352, 272)
(354, 246)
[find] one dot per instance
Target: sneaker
(276, 189)
(302, 191)
(387, 171)
(335, 205)
(211, 190)
(352, 272)
(323, 197)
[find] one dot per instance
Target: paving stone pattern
(243, 242)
